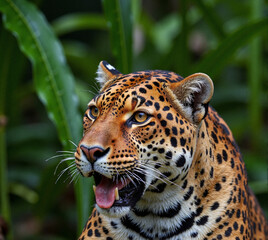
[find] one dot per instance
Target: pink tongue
(105, 195)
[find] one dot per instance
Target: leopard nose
(94, 153)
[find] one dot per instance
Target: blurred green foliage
(228, 40)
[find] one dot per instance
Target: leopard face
(138, 140)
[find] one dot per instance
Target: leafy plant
(118, 16)
(53, 81)
(65, 47)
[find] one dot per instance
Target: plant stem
(183, 49)
(84, 202)
(255, 108)
(119, 19)
(4, 206)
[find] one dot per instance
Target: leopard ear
(191, 96)
(106, 72)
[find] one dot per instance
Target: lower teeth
(116, 194)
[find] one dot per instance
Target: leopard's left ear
(191, 96)
(106, 72)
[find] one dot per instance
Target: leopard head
(140, 135)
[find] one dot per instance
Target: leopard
(164, 163)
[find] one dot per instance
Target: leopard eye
(93, 112)
(140, 117)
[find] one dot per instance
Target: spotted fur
(187, 175)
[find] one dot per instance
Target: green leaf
(24, 192)
(53, 79)
(78, 21)
(8, 54)
(211, 17)
(255, 80)
(182, 52)
(165, 31)
(83, 61)
(119, 19)
(217, 58)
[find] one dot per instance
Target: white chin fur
(113, 212)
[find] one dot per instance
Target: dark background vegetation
(217, 37)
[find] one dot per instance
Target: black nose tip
(94, 153)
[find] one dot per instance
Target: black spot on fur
(142, 90)
(214, 136)
(205, 193)
(202, 221)
(157, 106)
(156, 84)
(181, 161)
(169, 116)
(199, 210)
(174, 131)
(159, 188)
(224, 155)
(225, 129)
(148, 86)
(90, 233)
(149, 103)
(235, 225)
(97, 233)
(130, 224)
(219, 159)
(167, 132)
(114, 225)
(171, 212)
(211, 172)
(183, 141)
(105, 230)
(163, 123)
(215, 206)
(184, 185)
(228, 232)
(217, 186)
(141, 213)
(189, 193)
(173, 142)
(161, 99)
(186, 224)
(195, 234)
(169, 155)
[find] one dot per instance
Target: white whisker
(67, 152)
(75, 177)
(64, 170)
(63, 160)
(57, 156)
(73, 143)
(161, 176)
(96, 88)
(130, 178)
(71, 172)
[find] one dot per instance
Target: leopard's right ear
(105, 73)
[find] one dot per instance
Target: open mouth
(121, 192)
